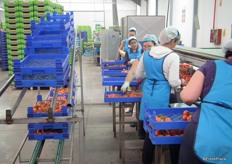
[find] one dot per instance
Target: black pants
(141, 131)
(149, 149)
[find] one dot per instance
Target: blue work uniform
(134, 55)
(213, 135)
(156, 89)
(126, 45)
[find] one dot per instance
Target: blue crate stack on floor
(46, 62)
(3, 51)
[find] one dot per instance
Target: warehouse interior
(58, 109)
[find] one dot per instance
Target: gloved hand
(122, 53)
(126, 87)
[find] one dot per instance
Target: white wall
(143, 7)
(223, 20)
(152, 7)
(125, 7)
(205, 15)
(182, 19)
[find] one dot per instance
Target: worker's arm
(121, 48)
(193, 89)
(130, 76)
(140, 71)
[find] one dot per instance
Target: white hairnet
(132, 29)
(131, 38)
(149, 38)
(167, 34)
(227, 46)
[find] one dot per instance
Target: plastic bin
(151, 125)
(116, 81)
(120, 99)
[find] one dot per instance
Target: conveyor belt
(197, 57)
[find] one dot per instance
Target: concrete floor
(98, 146)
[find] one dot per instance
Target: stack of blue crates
(42, 131)
(3, 51)
(46, 62)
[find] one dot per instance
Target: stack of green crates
(18, 16)
(99, 29)
(89, 43)
(87, 29)
(41, 8)
(58, 8)
(14, 32)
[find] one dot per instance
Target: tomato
(184, 117)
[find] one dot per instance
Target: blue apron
(213, 140)
(156, 89)
(126, 45)
(134, 55)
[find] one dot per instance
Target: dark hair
(228, 54)
(132, 31)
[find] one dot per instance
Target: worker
(207, 137)
(159, 68)
(124, 46)
(97, 39)
(149, 40)
(133, 52)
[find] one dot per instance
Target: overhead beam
(138, 2)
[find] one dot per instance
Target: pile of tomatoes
(184, 71)
(187, 116)
(125, 95)
(42, 106)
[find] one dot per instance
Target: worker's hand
(126, 87)
(122, 53)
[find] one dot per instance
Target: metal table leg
(114, 119)
(120, 130)
(123, 133)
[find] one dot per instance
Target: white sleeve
(140, 72)
(171, 69)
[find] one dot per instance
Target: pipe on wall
(115, 13)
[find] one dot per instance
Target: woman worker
(207, 138)
(133, 52)
(149, 41)
(161, 66)
(124, 46)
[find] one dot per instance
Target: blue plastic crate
(116, 81)
(114, 73)
(52, 82)
(120, 99)
(41, 126)
(176, 116)
(45, 51)
(112, 62)
(48, 136)
(174, 113)
(49, 26)
(68, 17)
(64, 134)
(42, 64)
(65, 111)
(114, 67)
(48, 37)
